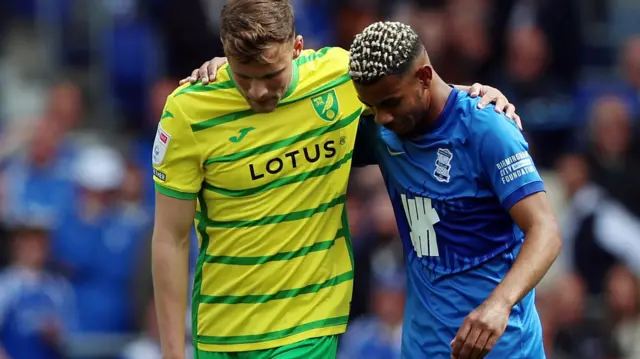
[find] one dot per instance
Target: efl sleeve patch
(160, 145)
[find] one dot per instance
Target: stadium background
(84, 82)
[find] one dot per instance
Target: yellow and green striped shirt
(275, 264)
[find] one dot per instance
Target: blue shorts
(436, 309)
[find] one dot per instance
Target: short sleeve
(176, 157)
(364, 152)
(504, 157)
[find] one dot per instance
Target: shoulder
(10, 282)
(481, 122)
(223, 82)
(332, 55)
(10, 278)
(327, 64)
(197, 102)
(323, 70)
(174, 119)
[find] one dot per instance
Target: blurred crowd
(84, 83)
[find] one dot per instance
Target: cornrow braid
(381, 49)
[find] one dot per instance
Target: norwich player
(260, 158)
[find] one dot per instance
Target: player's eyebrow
(390, 102)
(387, 102)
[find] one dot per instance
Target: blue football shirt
(451, 190)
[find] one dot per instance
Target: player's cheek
(243, 85)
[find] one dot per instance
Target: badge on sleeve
(160, 146)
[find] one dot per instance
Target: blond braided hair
(381, 49)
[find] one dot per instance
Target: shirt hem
(522, 192)
(270, 344)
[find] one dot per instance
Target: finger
(469, 343)
(478, 349)
(214, 66)
(456, 343)
(491, 342)
(501, 104)
(485, 100)
(184, 80)
(194, 76)
(487, 96)
(474, 90)
(518, 122)
(203, 72)
(510, 111)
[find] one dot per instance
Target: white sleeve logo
(421, 217)
(160, 146)
(516, 166)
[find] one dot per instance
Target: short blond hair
(249, 27)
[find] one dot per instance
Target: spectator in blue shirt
(37, 181)
(97, 241)
(37, 308)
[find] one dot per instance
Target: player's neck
(292, 79)
(439, 92)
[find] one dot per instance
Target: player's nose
(257, 91)
(383, 118)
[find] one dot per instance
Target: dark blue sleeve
(364, 152)
(504, 157)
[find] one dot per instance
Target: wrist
(501, 300)
(173, 353)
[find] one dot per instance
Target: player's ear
(298, 46)
(425, 75)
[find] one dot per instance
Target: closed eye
(390, 102)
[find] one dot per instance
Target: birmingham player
(477, 228)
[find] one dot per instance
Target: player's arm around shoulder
(178, 174)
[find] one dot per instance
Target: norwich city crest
(326, 105)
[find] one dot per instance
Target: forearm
(170, 268)
(539, 250)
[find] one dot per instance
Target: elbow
(553, 236)
(545, 230)
(172, 237)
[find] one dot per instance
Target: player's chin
(401, 127)
(403, 132)
(264, 107)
